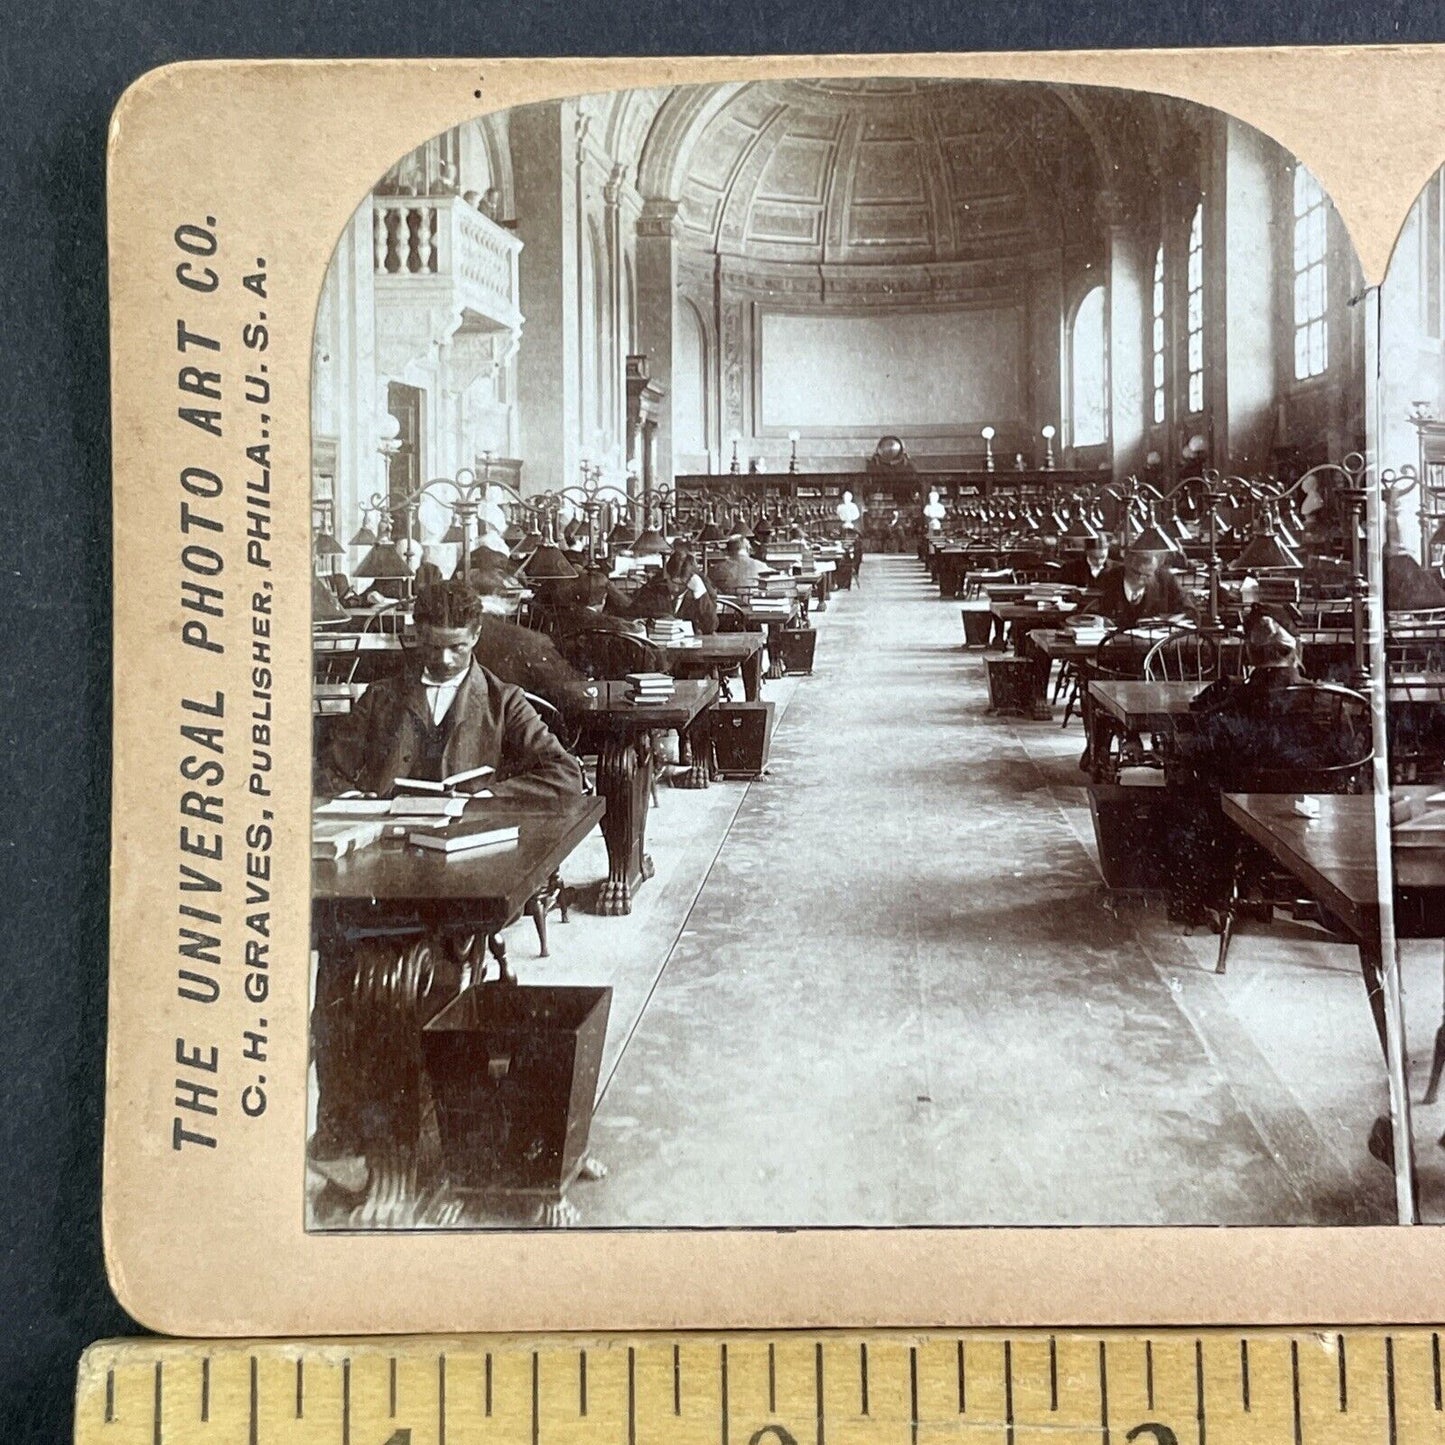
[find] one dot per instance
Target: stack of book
(465, 836)
(1087, 629)
(648, 689)
(333, 838)
(668, 629)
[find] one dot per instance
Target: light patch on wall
(914, 369)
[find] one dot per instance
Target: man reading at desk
(737, 573)
(1141, 588)
(446, 714)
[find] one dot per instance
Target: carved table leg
(373, 1104)
(700, 749)
(775, 650)
(624, 780)
(752, 670)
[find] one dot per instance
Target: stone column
(1127, 271)
(548, 400)
(656, 313)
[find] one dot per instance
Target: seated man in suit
(687, 595)
(1141, 588)
(1086, 569)
(524, 656)
(736, 573)
(444, 714)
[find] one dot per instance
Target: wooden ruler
(1323, 1387)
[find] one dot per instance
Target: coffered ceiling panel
(897, 171)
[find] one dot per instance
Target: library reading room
(868, 639)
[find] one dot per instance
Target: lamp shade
(547, 564)
(1080, 529)
(452, 537)
(382, 561)
(710, 532)
(1437, 537)
(364, 537)
(650, 543)
(1267, 553)
(327, 546)
(1153, 539)
(622, 535)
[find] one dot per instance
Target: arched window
(1311, 278)
(1089, 371)
(1156, 335)
(1195, 313)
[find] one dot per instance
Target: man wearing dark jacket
(1140, 588)
(447, 714)
(1086, 569)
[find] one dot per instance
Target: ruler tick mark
(1149, 1373)
(863, 1376)
(723, 1365)
(677, 1379)
(1435, 1365)
(913, 1393)
(1053, 1373)
(346, 1402)
(536, 1392)
(254, 1405)
(962, 1385)
(581, 1382)
(441, 1400)
(1199, 1388)
(772, 1380)
(391, 1389)
(110, 1396)
(1344, 1385)
(156, 1404)
(1103, 1393)
(206, 1390)
(632, 1393)
(1294, 1390)
(487, 1386)
(818, 1389)
(1244, 1373)
(300, 1388)
(1008, 1393)
(1390, 1387)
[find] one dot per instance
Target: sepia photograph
(842, 660)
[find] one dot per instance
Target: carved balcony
(442, 271)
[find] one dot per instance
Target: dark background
(65, 67)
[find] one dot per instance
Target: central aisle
(898, 1000)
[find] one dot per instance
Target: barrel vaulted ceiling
(890, 171)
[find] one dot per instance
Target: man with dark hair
(446, 714)
(523, 656)
(1086, 568)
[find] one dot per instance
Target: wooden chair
(1190, 656)
(1120, 658)
(1324, 732)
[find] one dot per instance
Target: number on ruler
(776, 1432)
(1162, 1434)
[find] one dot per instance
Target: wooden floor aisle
(897, 998)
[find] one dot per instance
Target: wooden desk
(724, 650)
(1143, 707)
(1020, 620)
(1333, 857)
(623, 731)
(398, 932)
(772, 619)
(1060, 645)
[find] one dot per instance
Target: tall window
(1311, 279)
(1156, 340)
(1089, 371)
(1195, 312)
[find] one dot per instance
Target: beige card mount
(326, 273)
